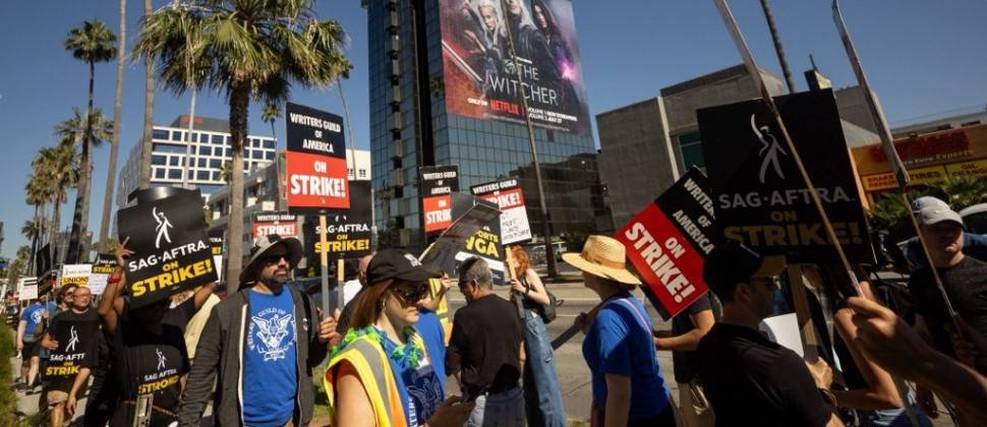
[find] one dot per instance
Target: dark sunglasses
(410, 295)
(274, 259)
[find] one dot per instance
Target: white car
(975, 218)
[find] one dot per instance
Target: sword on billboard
(461, 63)
(887, 143)
(754, 71)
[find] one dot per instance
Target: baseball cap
(732, 262)
(927, 202)
(397, 264)
(935, 214)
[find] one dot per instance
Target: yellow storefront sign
(972, 169)
(920, 176)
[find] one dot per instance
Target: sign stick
(324, 262)
(754, 71)
(887, 143)
(339, 283)
(810, 341)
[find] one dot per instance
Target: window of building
(215, 163)
(175, 161)
(176, 135)
(202, 175)
(159, 173)
(174, 174)
(159, 134)
(202, 163)
(269, 143)
(269, 155)
(217, 139)
(205, 150)
(691, 147)
(157, 160)
(363, 173)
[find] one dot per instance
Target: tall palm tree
(254, 49)
(90, 42)
(37, 195)
(57, 168)
(111, 170)
(72, 132)
(270, 114)
(146, 137)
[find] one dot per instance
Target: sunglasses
(410, 295)
(274, 259)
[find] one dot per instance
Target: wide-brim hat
(604, 257)
(263, 246)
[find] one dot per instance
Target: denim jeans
(498, 410)
(542, 393)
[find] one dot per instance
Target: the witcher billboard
(484, 80)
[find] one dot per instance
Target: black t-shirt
(966, 286)
(685, 362)
(180, 314)
(77, 335)
(753, 381)
(147, 363)
(485, 345)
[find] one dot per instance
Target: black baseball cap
(397, 264)
(732, 262)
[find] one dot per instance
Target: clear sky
(923, 58)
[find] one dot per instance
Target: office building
(208, 150)
(440, 97)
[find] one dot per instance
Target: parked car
(975, 218)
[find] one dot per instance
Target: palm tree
(253, 50)
(37, 195)
(91, 42)
(111, 170)
(72, 132)
(57, 169)
(147, 145)
(271, 114)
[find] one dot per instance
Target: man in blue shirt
(30, 330)
(262, 343)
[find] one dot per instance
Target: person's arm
(887, 339)
(618, 400)
(433, 303)
(880, 392)
(21, 327)
(107, 312)
(317, 346)
(202, 294)
(48, 342)
(352, 402)
(689, 341)
(802, 385)
(202, 373)
(80, 380)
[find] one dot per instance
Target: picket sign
(797, 283)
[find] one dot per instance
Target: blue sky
(923, 58)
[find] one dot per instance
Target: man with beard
(260, 345)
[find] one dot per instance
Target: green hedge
(8, 400)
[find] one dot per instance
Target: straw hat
(604, 257)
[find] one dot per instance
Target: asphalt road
(574, 376)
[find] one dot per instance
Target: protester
(382, 373)
(149, 359)
(974, 245)
(63, 298)
(688, 327)
(81, 323)
(30, 330)
(628, 388)
(486, 351)
(542, 392)
(349, 305)
(964, 280)
(887, 339)
(260, 345)
(749, 379)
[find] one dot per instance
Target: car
(975, 218)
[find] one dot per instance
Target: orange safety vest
(374, 370)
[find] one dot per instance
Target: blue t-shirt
(619, 342)
(422, 389)
(32, 317)
(430, 328)
(270, 380)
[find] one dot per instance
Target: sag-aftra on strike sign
(316, 157)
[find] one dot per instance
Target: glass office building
(420, 116)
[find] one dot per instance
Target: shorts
(31, 349)
(58, 396)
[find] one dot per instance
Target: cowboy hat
(262, 246)
(604, 257)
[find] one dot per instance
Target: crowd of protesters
(249, 359)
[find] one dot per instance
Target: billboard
(481, 75)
